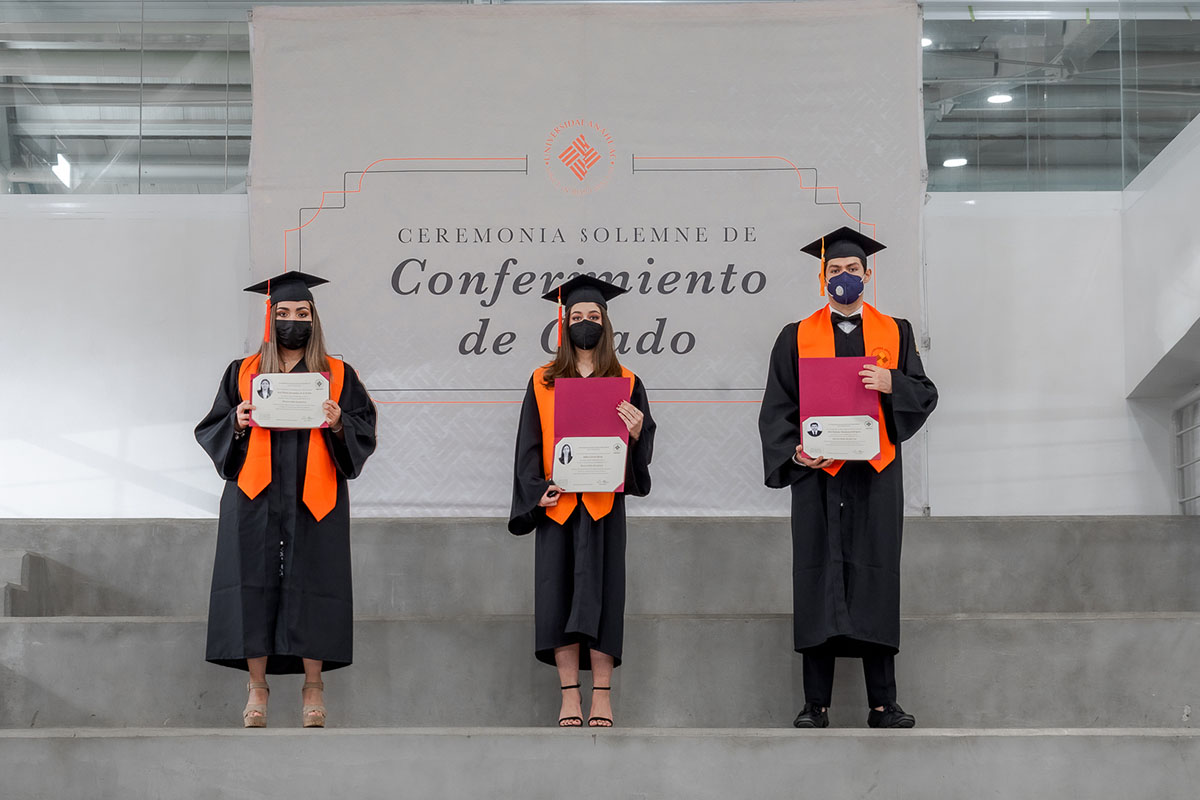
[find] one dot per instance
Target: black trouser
(879, 671)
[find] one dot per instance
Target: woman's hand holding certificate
(632, 418)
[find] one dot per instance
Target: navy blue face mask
(844, 288)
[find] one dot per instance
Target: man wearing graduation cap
(579, 548)
(281, 598)
(846, 515)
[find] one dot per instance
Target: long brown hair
(316, 358)
(604, 356)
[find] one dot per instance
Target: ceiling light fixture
(1000, 98)
(954, 162)
(926, 41)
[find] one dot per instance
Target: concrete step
(11, 562)
(624, 763)
(12, 593)
(726, 565)
(22, 584)
(962, 671)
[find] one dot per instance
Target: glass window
(1054, 96)
(103, 98)
(121, 96)
(1187, 450)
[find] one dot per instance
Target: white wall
(1161, 246)
(119, 315)
(1025, 301)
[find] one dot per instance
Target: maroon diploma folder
(832, 387)
(588, 407)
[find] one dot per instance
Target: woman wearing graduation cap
(281, 597)
(579, 562)
(846, 515)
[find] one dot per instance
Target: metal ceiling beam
(164, 66)
(1084, 40)
(209, 36)
(945, 65)
(128, 129)
(128, 172)
(1015, 179)
(40, 11)
(1080, 105)
(1041, 10)
(129, 94)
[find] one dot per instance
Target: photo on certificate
(289, 400)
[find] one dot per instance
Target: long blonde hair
(316, 358)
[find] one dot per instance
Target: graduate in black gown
(281, 599)
(579, 566)
(846, 515)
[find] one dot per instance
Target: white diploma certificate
(849, 438)
(590, 463)
(289, 400)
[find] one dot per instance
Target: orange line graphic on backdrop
(363, 175)
(837, 190)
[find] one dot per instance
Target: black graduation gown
(579, 567)
(846, 529)
(281, 579)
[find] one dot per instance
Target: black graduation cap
(290, 286)
(581, 289)
(584, 289)
(842, 243)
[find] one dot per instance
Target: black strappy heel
(600, 722)
(571, 722)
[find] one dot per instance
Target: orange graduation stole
(320, 476)
(881, 335)
(598, 504)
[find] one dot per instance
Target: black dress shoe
(811, 716)
(892, 716)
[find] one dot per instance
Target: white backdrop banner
(445, 166)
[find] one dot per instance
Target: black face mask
(585, 334)
(292, 334)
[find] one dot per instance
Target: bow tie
(838, 318)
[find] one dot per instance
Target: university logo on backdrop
(580, 156)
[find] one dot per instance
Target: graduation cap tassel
(560, 316)
(822, 276)
(267, 316)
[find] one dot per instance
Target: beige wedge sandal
(314, 716)
(255, 714)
